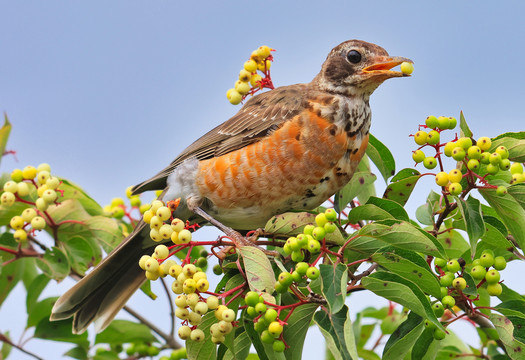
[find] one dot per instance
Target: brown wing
(259, 117)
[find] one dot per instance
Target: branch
(3, 338)
(170, 340)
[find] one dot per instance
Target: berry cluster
(140, 349)
(302, 270)
(266, 321)
(164, 226)
(474, 155)
(250, 81)
(310, 239)
(19, 188)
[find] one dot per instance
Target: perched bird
(289, 148)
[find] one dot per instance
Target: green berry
(500, 263)
(308, 229)
(503, 151)
(453, 122)
(486, 259)
(448, 301)
(433, 137)
(474, 152)
(420, 137)
(446, 280)
(448, 148)
(320, 219)
(331, 214)
(440, 263)
(516, 168)
(312, 273)
(439, 334)
(459, 283)
(217, 269)
(429, 324)
(438, 309)
(443, 122)
(455, 188)
(297, 256)
(260, 325)
(458, 153)
(485, 158)
(430, 162)
(453, 266)
(318, 233)
(473, 165)
(443, 291)
(278, 346)
(266, 337)
(495, 158)
(301, 268)
(330, 227)
(501, 190)
(418, 156)
(464, 143)
(494, 289)
(478, 272)
(16, 175)
(492, 276)
(270, 315)
(431, 122)
(280, 288)
(285, 278)
(251, 298)
(492, 169)
(504, 164)
(260, 308)
(314, 246)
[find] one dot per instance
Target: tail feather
(103, 292)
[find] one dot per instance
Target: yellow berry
(7, 198)
(245, 75)
(407, 68)
(455, 188)
(165, 231)
(142, 261)
(162, 252)
(117, 201)
(189, 286)
(442, 178)
(43, 167)
(212, 302)
(175, 238)
(154, 235)
(11, 186)
(148, 214)
(176, 287)
(455, 175)
(22, 189)
(41, 189)
(484, 143)
(219, 310)
(189, 270)
(255, 80)
(516, 168)
(38, 223)
(164, 213)
(28, 214)
(185, 236)
(242, 87)
(228, 315)
(182, 313)
(184, 332)
(199, 275)
(16, 222)
(16, 175)
(29, 172)
(177, 225)
(192, 299)
(203, 285)
(151, 265)
(152, 275)
(41, 204)
(20, 235)
(155, 205)
(235, 97)
(250, 66)
(263, 51)
(42, 176)
(53, 183)
(194, 318)
(155, 222)
(175, 270)
(49, 196)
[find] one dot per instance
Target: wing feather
(259, 117)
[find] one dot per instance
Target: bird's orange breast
(297, 166)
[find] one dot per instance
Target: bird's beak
(382, 65)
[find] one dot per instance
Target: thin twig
(170, 340)
(3, 338)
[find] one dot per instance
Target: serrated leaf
(395, 288)
(54, 264)
(404, 337)
(361, 180)
(259, 271)
(402, 185)
(295, 332)
(334, 279)
(5, 130)
(515, 349)
(124, 331)
(403, 235)
(509, 211)
(464, 129)
(337, 331)
(471, 211)
(410, 266)
(205, 349)
(381, 157)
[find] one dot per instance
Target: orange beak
(383, 64)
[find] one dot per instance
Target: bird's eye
(353, 56)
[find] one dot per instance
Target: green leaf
(54, 264)
(515, 349)
(75, 192)
(40, 310)
(124, 331)
(259, 272)
(6, 347)
(4, 135)
(454, 244)
(381, 157)
(404, 337)
(59, 331)
(361, 180)
(35, 289)
(471, 288)
(465, 130)
(395, 288)
(242, 344)
(392, 207)
(509, 294)
(77, 352)
(205, 349)
(403, 235)
(11, 274)
(494, 240)
(471, 211)
(410, 266)
(337, 331)
(423, 348)
(80, 254)
(295, 332)
(510, 212)
(514, 142)
(402, 185)
(334, 279)
(517, 191)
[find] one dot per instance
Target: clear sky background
(109, 92)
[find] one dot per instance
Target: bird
(290, 148)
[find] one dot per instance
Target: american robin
(289, 148)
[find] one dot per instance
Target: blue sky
(109, 93)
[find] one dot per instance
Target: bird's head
(357, 67)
